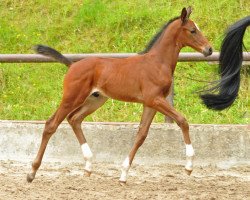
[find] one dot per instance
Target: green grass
(33, 91)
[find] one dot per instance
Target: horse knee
(182, 122)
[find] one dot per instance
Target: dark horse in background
(224, 93)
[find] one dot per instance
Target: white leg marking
(125, 168)
(87, 154)
(189, 150)
(190, 157)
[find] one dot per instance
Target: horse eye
(193, 31)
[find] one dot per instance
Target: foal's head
(190, 35)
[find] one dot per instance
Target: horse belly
(120, 91)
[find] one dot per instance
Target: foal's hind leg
(50, 128)
(75, 119)
(68, 104)
(146, 120)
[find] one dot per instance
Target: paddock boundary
(36, 58)
(221, 145)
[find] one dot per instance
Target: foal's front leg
(161, 105)
(146, 120)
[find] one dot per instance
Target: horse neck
(167, 48)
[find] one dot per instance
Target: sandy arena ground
(57, 181)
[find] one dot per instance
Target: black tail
(225, 92)
(48, 51)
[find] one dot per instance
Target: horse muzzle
(207, 51)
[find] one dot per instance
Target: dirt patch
(57, 181)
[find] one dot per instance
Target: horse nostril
(210, 50)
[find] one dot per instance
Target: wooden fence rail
(36, 58)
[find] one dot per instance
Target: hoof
(123, 183)
(188, 172)
(30, 177)
(87, 173)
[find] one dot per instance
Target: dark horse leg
(146, 120)
(75, 119)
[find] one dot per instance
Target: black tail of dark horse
(226, 91)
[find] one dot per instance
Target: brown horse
(144, 78)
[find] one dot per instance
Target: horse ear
(189, 11)
(184, 15)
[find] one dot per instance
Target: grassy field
(33, 91)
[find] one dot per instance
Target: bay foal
(145, 78)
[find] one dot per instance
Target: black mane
(157, 36)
